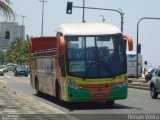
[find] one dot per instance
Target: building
(9, 32)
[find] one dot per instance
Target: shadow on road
(83, 105)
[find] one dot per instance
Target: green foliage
(18, 51)
(5, 9)
(2, 57)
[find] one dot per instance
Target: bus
(132, 64)
(85, 62)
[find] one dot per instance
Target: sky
(134, 10)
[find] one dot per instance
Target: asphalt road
(138, 102)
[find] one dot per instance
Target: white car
(11, 67)
(1, 71)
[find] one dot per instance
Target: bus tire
(110, 103)
(58, 94)
(37, 88)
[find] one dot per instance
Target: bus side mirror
(62, 45)
(130, 41)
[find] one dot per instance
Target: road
(138, 101)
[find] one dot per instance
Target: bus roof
(88, 29)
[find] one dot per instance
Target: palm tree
(5, 9)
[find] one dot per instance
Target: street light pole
(122, 19)
(22, 25)
(43, 1)
(83, 11)
(138, 37)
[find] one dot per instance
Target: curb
(135, 86)
(138, 83)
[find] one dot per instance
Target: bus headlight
(122, 84)
(73, 84)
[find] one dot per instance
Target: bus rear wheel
(37, 88)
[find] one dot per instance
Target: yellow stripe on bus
(79, 81)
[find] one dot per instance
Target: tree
(2, 57)
(14, 51)
(18, 51)
(5, 9)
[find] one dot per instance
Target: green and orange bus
(85, 62)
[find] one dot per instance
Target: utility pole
(23, 26)
(43, 1)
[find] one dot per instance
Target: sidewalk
(15, 106)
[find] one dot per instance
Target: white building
(15, 31)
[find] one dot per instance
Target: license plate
(98, 95)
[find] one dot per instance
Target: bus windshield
(95, 56)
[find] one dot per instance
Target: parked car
(155, 83)
(1, 71)
(149, 75)
(21, 70)
(11, 67)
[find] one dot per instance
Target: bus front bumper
(84, 95)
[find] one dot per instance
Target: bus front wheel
(58, 94)
(110, 103)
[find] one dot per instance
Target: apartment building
(9, 32)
